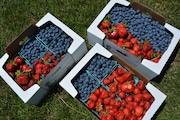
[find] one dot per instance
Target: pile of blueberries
(61, 44)
(32, 50)
(141, 26)
(100, 66)
(97, 68)
(48, 33)
(85, 84)
(50, 38)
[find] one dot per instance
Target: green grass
(16, 15)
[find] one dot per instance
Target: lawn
(16, 15)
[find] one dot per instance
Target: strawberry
(104, 93)
(12, 74)
(127, 76)
(120, 71)
(105, 24)
(120, 44)
(134, 40)
(120, 79)
(112, 88)
(11, 67)
(123, 32)
(121, 25)
(146, 46)
(38, 71)
(104, 30)
(29, 70)
(150, 54)
(132, 51)
(127, 45)
(18, 60)
(106, 81)
(112, 33)
(129, 37)
(24, 87)
(23, 67)
(37, 77)
(31, 83)
(23, 79)
(136, 47)
(156, 60)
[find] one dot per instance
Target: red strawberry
(113, 88)
(127, 45)
(112, 33)
(146, 46)
(30, 70)
(123, 32)
(134, 40)
(120, 44)
(106, 81)
(31, 83)
(104, 93)
(120, 71)
(10, 67)
(132, 51)
(105, 24)
(36, 77)
(23, 79)
(121, 25)
(150, 54)
(156, 60)
(136, 47)
(12, 74)
(18, 60)
(24, 87)
(129, 37)
(23, 67)
(104, 30)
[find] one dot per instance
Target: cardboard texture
(36, 93)
(98, 49)
(95, 35)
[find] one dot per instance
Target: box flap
(14, 46)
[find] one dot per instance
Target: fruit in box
(128, 99)
(38, 56)
(136, 32)
(114, 95)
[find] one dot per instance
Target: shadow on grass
(159, 78)
(55, 89)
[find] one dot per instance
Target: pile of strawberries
(124, 39)
(123, 100)
(26, 76)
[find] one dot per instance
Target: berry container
(97, 49)
(73, 53)
(171, 34)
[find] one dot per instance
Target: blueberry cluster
(84, 84)
(32, 50)
(48, 33)
(60, 45)
(141, 26)
(100, 66)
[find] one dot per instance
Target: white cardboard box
(95, 35)
(36, 93)
(98, 49)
